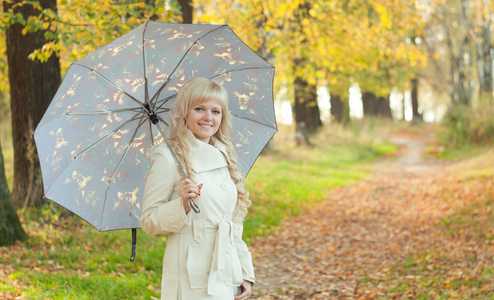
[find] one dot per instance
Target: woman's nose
(207, 115)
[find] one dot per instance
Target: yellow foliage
(335, 39)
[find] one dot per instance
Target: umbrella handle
(194, 206)
(134, 241)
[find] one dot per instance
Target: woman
(205, 257)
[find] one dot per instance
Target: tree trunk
(369, 104)
(306, 108)
(187, 11)
(458, 47)
(487, 85)
(416, 116)
(32, 87)
(463, 79)
(340, 110)
(383, 108)
(403, 107)
(10, 226)
(307, 116)
(465, 50)
(375, 106)
(336, 108)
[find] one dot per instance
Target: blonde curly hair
(196, 91)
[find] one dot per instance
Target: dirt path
(381, 238)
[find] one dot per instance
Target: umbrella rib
(218, 75)
(146, 90)
(97, 142)
(153, 104)
(111, 83)
(182, 60)
(119, 164)
(165, 100)
(243, 69)
(107, 135)
(260, 123)
(151, 131)
(161, 119)
(105, 112)
(126, 150)
(163, 135)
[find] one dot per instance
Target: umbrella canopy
(113, 106)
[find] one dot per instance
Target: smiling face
(204, 119)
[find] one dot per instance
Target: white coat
(205, 256)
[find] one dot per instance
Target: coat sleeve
(162, 209)
(243, 252)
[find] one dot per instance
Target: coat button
(223, 186)
(228, 281)
(226, 217)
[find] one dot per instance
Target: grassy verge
(475, 217)
(65, 258)
(293, 178)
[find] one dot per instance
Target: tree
(32, 85)
(369, 104)
(276, 28)
(389, 51)
(416, 116)
(307, 115)
(339, 110)
(86, 25)
(187, 11)
(478, 20)
(458, 40)
(10, 226)
(384, 108)
(376, 106)
(485, 50)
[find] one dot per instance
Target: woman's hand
(246, 290)
(189, 190)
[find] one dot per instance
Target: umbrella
(112, 109)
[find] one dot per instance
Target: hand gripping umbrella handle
(193, 205)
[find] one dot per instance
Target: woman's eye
(199, 109)
(217, 112)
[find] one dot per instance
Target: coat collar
(204, 157)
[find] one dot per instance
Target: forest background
(428, 56)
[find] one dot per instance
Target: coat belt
(224, 234)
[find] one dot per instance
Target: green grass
(429, 275)
(476, 220)
(460, 153)
(71, 260)
(293, 179)
(65, 258)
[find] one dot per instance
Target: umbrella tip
(151, 114)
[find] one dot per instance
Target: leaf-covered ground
(419, 228)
